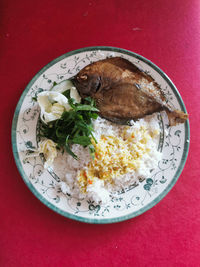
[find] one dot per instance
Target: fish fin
(176, 116)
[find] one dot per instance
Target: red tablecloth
(35, 32)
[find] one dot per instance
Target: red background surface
(32, 33)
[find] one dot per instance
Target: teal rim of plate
(104, 220)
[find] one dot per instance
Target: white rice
(67, 168)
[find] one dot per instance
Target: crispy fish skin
(123, 92)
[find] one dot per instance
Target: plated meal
(102, 135)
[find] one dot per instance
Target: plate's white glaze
(45, 184)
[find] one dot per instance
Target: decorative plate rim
(104, 220)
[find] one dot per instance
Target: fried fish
(123, 92)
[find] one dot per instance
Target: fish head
(87, 83)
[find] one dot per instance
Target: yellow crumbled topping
(116, 156)
(48, 148)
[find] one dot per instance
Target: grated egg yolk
(116, 156)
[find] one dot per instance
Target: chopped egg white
(63, 86)
(48, 149)
(53, 103)
(66, 85)
(47, 101)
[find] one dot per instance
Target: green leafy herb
(34, 98)
(81, 140)
(74, 126)
(86, 107)
(68, 148)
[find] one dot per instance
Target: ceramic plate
(45, 185)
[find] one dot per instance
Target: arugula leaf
(89, 100)
(94, 115)
(68, 148)
(71, 101)
(86, 107)
(34, 98)
(74, 126)
(92, 150)
(66, 93)
(81, 140)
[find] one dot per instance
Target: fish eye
(83, 77)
